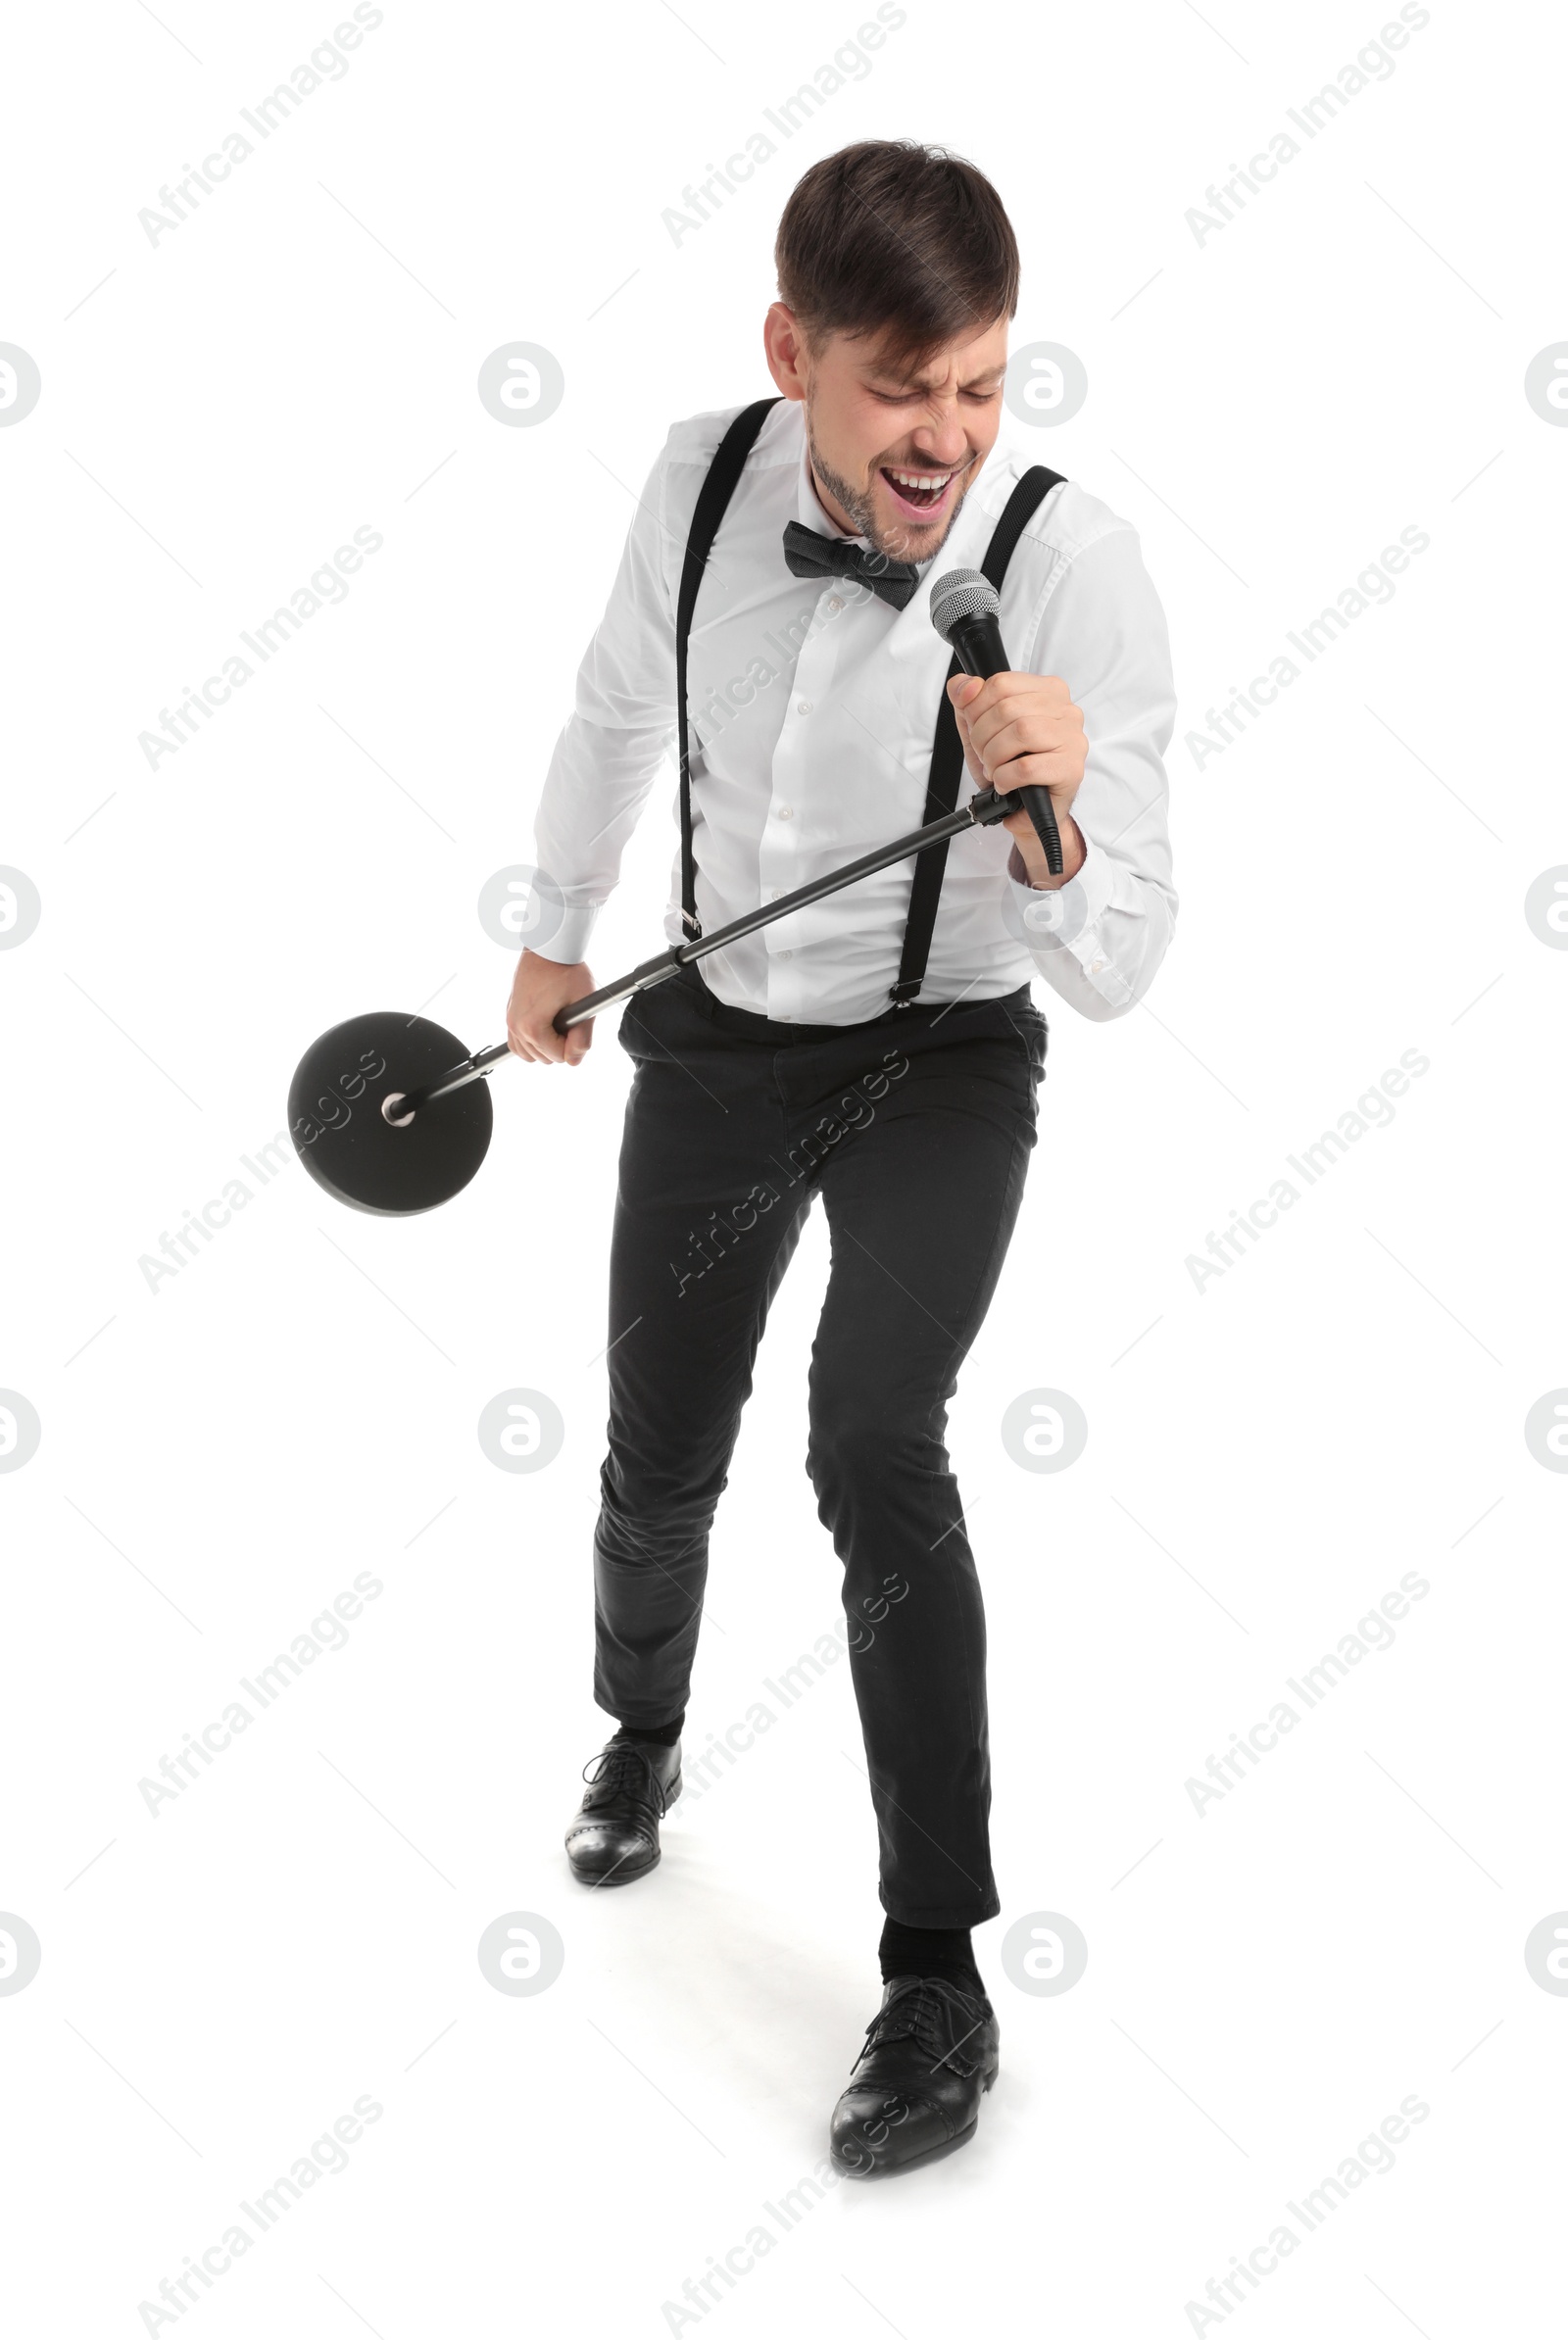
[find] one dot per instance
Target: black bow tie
(807, 555)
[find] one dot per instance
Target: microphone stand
(981, 812)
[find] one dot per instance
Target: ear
(784, 347)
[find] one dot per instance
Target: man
(879, 1046)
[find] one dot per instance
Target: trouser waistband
(745, 1026)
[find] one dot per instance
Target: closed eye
(916, 398)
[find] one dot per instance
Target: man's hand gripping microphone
(966, 611)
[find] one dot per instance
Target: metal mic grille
(962, 592)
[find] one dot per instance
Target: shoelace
(627, 1771)
(923, 2015)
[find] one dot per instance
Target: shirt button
(773, 893)
(786, 812)
(786, 955)
(803, 706)
(833, 601)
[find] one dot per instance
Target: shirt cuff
(1068, 918)
(1082, 900)
(569, 943)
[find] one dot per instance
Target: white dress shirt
(812, 708)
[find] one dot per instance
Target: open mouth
(919, 494)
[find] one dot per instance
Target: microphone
(966, 611)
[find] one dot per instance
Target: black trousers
(916, 1129)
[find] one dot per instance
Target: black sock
(667, 1734)
(930, 1950)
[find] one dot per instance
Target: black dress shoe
(930, 2055)
(614, 1836)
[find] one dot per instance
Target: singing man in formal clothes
(772, 620)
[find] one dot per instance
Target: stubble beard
(894, 544)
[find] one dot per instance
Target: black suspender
(946, 753)
(717, 488)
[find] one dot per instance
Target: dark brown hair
(890, 236)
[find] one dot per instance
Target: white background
(220, 1457)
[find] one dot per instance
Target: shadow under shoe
(615, 1834)
(930, 2054)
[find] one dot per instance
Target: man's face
(894, 448)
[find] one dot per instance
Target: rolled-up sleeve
(1100, 938)
(620, 733)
